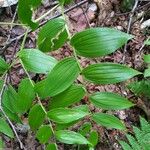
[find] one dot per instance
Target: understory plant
(59, 84)
(141, 88)
(141, 138)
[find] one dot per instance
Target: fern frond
(125, 146)
(134, 144)
(141, 88)
(141, 141)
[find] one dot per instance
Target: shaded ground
(92, 14)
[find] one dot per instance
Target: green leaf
(10, 97)
(8, 103)
(65, 126)
(147, 72)
(66, 115)
(36, 61)
(52, 35)
(1, 84)
(5, 128)
(26, 95)
(108, 73)
(44, 133)
(34, 3)
(59, 79)
(97, 42)
(70, 96)
(84, 108)
(147, 58)
(63, 2)
(12, 115)
(36, 116)
(52, 146)
(110, 101)
(93, 138)
(19, 102)
(108, 121)
(70, 137)
(85, 128)
(25, 12)
(3, 66)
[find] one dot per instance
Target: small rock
(93, 7)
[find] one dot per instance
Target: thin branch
(45, 14)
(129, 27)
(3, 89)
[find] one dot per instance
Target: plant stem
(24, 40)
(47, 13)
(69, 36)
(74, 51)
(11, 24)
(39, 101)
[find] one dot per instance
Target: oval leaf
(147, 72)
(98, 41)
(9, 99)
(147, 58)
(44, 133)
(36, 61)
(25, 96)
(93, 138)
(5, 129)
(108, 73)
(70, 137)
(110, 101)
(36, 116)
(25, 12)
(52, 146)
(3, 66)
(52, 35)
(108, 121)
(59, 79)
(66, 115)
(70, 96)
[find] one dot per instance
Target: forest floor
(98, 13)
